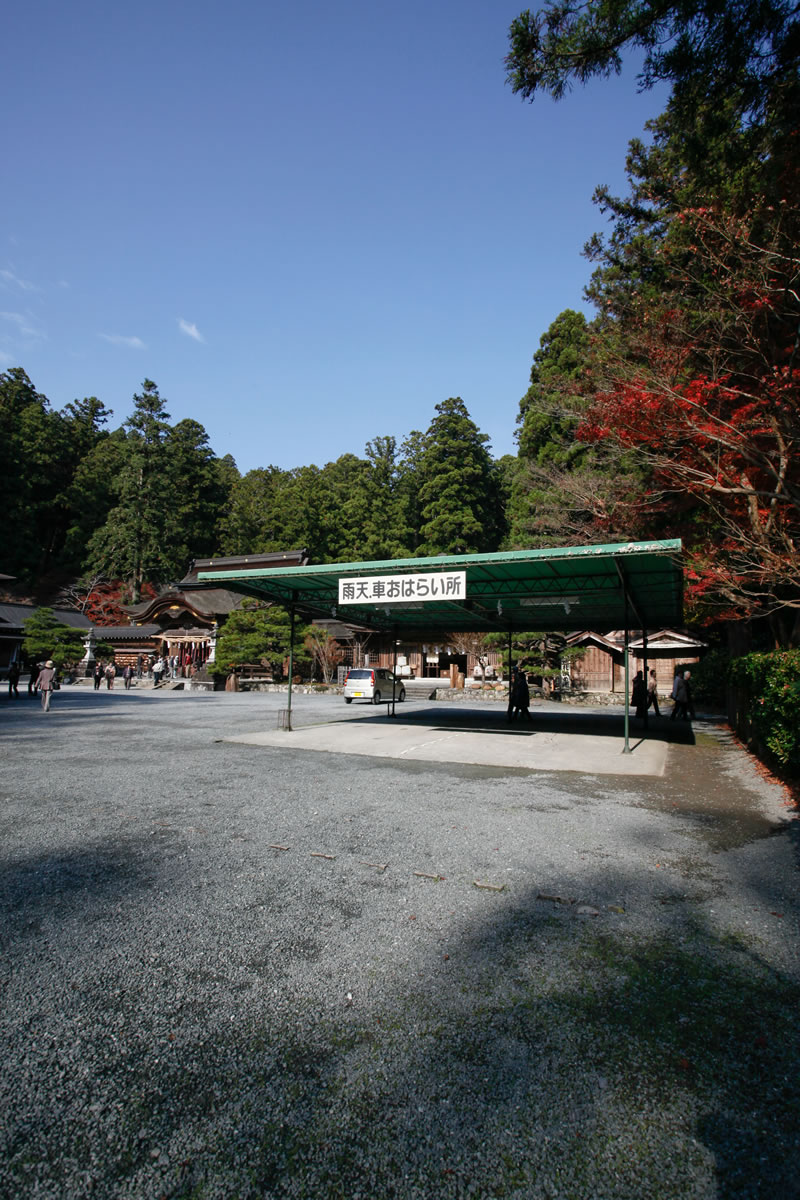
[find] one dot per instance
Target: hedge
(769, 701)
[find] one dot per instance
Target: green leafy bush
(772, 686)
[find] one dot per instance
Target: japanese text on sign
(383, 589)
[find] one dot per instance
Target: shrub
(772, 686)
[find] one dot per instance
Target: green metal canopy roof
(634, 584)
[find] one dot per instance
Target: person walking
(13, 680)
(639, 696)
(652, 693)
(520, 700)
(127, 675)
(680, 694)
(510, 714)
(111, 671)
(98, 675)
(45, 683)
(690, 713)
(34, 675)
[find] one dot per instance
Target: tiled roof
(206, 602)
(13, 615)
(125, 633)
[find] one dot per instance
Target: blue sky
(308, 223)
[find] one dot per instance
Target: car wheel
(376, 698)
(348, 699)
(401, 695)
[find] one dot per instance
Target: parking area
(275, 968)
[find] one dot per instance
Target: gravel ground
(195, 1003)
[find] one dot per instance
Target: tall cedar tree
(34, 475)
(386, 534)
(138, 538)
(565, 491)
(48, 515)
(459, 492)
(202, 488)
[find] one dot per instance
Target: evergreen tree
(340, 504)
(35, 462)
(385, 534)
(85, 421)
(252, 522)
(97, 457)
(546, 421)
(735, 56)
(259, 634)
(408, 481)
(200, 492)
(47, 637)
(227, 476)
(138, 539)
(564, 491)
(458, 487)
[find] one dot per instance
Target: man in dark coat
(639, 695)
(13, 680)
(520, 696)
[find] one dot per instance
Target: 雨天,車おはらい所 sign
(380, 589)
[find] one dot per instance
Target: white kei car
(375, 684)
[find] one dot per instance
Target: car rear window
(358, 674)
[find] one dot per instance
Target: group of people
(108, 672)
(43, 679)
(645, 696)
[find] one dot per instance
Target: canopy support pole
(629, 604)
(510, 674)
(394, 666)
(646, 679)
(627, 747)
(291, 667)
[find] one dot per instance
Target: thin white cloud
(11, 279)
(190, 329)
(23, 323)
(117, 339)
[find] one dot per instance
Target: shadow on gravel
(490, 718)
(50, 883)
(546, 1054)
(661, 1045)
(66, 706)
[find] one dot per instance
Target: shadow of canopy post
(566, 588)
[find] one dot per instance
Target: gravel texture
(189, 1011)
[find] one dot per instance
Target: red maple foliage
(709, 399)
(103, 601)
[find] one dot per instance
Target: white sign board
(394, 589)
